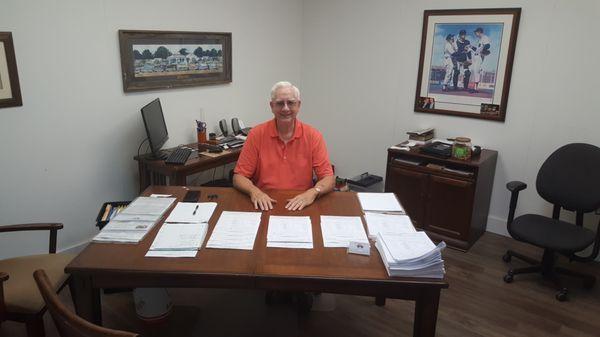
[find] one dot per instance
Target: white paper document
(379, 202)
(178, 239)
(192, 212)
(235, 230)
(388, 224)
(339, 231)
(171, 253)
(290, 232)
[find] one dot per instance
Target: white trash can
(152, 304)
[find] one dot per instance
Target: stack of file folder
(184, 230)
(135, 221)
(411, 255)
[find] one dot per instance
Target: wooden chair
(19, 299)
(67, 323)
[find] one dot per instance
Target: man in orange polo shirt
(283, 154)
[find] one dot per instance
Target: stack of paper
(290, 232)
(133, 223)
(387, 224)
(339, 231)
(235, 230)
(184, 231)
(411, 255)
(178, 240)
(380, 202)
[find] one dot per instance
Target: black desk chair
(569, 179)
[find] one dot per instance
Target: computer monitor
(156, 128)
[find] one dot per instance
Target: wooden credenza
(449, 199)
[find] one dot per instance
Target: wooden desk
(331, 270)
(156, 172)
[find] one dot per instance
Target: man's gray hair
(284, 84)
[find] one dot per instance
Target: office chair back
(67, 323)
(570, 177)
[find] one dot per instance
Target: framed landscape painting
(161, 60)
(10, 92)
(466, 62)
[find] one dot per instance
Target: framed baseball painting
(10, 92)
(466, 62)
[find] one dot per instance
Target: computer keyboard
(235, 143)
(227, 139)
(179, 156)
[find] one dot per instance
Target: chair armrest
(52, 227)
(516, 186)
(3, 277)
(31, 227)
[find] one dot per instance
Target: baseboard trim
(75, 249)
(497, 225)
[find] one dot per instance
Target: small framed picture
(10, 92)
(466, 61)
(153, 60)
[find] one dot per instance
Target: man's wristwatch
(318, 189)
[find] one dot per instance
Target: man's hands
(302, 200)
(262, 200)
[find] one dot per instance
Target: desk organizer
(99, 223)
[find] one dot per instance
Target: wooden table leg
(86, 298)
(144, 176)
(178, 180)
(426, 310)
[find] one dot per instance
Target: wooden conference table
(328, 270)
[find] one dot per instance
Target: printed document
(338, 231)
(290, 232)
(235, 230)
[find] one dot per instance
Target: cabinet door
(449, 206)
(410, 188)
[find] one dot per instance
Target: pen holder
(201, 136)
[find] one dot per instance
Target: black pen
(195, 209)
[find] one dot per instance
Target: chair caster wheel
(561, 295)
(508, 278)
(506, 257)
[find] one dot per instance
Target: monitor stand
(161, 155)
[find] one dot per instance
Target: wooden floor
(478, 303)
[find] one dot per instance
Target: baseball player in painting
(463, 58)
(479, 54)
(449, 61)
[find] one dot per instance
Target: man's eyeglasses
(290, 104)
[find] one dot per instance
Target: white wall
(70, 147)
(359, 71)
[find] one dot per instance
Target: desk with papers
(276, 250)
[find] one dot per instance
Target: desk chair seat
(569, 179)
(20, 291)
(549, 233)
